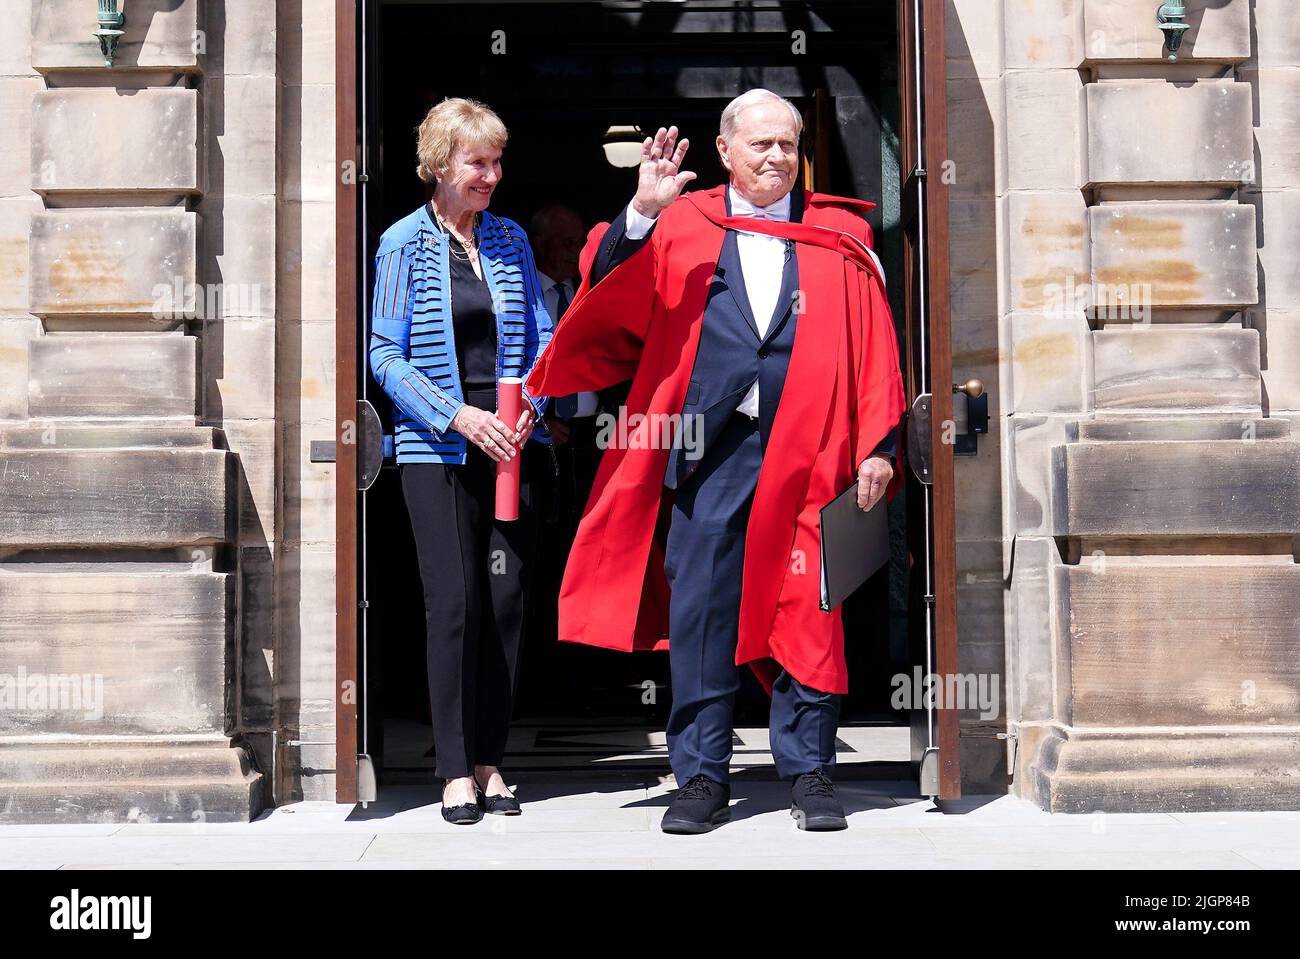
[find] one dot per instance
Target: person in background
(458, 304)
(558, 234)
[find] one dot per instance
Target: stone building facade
(1125, 234)
(166, 357)
(1125, 231)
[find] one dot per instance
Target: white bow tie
(779, 211)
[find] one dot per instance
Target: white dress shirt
(762, 262)
(587, 402)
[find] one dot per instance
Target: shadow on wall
(1195, 14)
(148, 27)
(236, 324)
(1257, 317)
(973, 291)
(292, 765)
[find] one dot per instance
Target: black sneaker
(813, 803)
(699, 806)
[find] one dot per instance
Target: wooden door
(931, 527)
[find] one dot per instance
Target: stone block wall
(1148, 473)
(304, 683)
(978, 176)
(118, 509)
(166, 356)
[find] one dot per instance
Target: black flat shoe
(499, 805)
(465, 814)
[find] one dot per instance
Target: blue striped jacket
(412, 344)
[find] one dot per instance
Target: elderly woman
(458, 306)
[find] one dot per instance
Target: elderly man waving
(758, 312)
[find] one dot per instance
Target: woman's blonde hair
(453, 122)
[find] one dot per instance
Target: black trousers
(476, 571)
(577, 462)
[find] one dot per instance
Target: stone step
(1182, 644)
(1180, 428)
(92, 801)
(98, 781)
(1175, 489)
(1154, 368)
(152, 759)
(1167, 770)
(119, 497)
(1187, 750)
(59, 435)
(134, 652)
(111, 374)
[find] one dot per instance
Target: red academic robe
(843, 393)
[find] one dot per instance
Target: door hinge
(929, 778)
(370, 446)
(1013, 752)
(919, 439)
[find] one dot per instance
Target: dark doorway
(560, 75)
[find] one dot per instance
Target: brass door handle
(971, 414)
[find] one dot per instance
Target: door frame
(347, 263)
(932, 538)
(920, 31)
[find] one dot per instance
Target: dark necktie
(566, 407)
(561, 300)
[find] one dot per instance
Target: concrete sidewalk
(615, 824)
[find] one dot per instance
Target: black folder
(854, 545)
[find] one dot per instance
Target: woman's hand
(660, 178)
(486, 432)
(873, 476)
(525, 425)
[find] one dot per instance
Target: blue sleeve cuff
(888, 446)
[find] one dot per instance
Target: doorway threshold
(626, 750)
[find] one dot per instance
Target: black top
(473, 322)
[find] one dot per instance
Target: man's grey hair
(730, 115)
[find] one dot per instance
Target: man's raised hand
(661, 178)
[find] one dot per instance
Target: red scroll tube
(509, 409)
